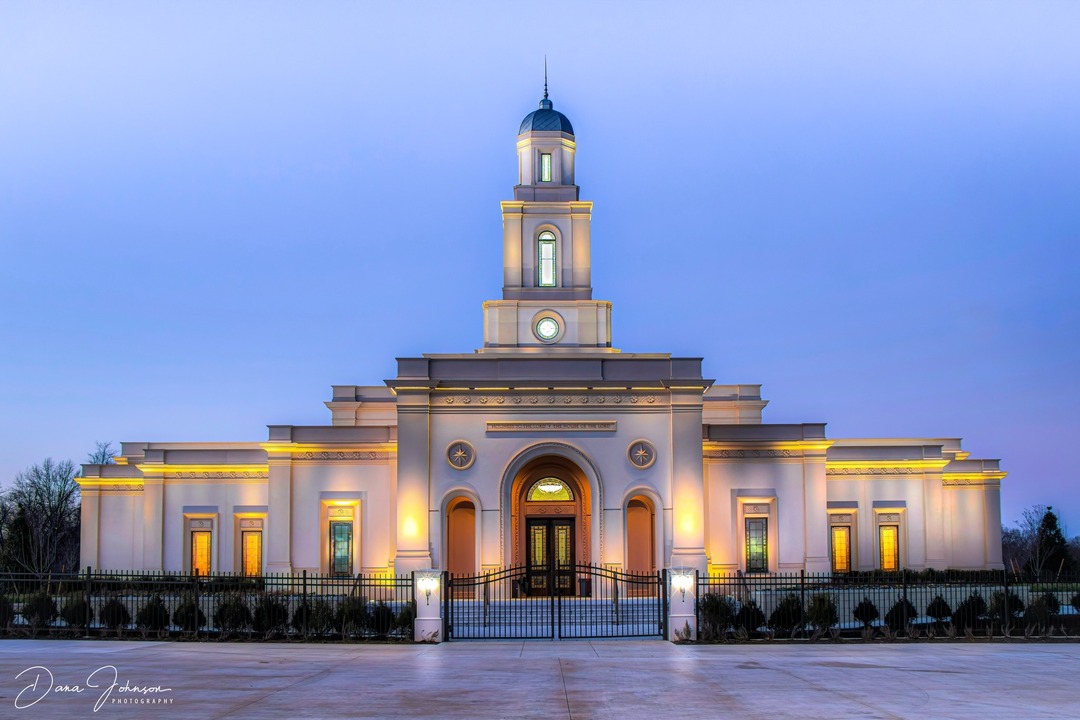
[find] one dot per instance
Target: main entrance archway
(550, 525)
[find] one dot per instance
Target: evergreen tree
(1050, 551)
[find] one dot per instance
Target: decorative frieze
(358, 455)
(888, 518)
(220, 475)
(875, 471)
(201, 524)
(551, 426)
(756, 509)
(840, 518)
(251, 523)
(742, 454)
(119, 487)
(558, 399)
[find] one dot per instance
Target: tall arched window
(545, 249)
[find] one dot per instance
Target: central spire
(545, 77)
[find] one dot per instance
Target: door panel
(550, 541)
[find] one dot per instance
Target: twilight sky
(209, 214)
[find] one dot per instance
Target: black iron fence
(875, 604)
(162, 605)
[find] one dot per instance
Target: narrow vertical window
(546, 259)
(889, 536)
(841, 549)
(200, 552)
(341, 550)
(545, 167)
(757, 544)
(251, 545)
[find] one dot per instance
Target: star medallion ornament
(460, 455)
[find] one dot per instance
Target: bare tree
(40, 514)
(103, 454)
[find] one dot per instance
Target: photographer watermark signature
(106, 680)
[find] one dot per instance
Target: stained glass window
(550, 489)
(341, 548)
(757, 544)
(546, 258)
(251, 544)
(841, 548)
(889, 536)
(545, 167)
(200, 552)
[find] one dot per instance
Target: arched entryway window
(461, 537)
(640, 535)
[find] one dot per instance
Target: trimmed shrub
(7, 611)
(787, 615)
(900, 614)
(271, 615)
(352, 615)
(1075, 602)
(1039, 612)
(939, 609)
(717, 615)
(114, 614)
(232, 615)
(821, 612)
(998, 607)
(153, 616)
(1051, 601)
(77, 612)
(749, 617)
(970, 612)
(866, 612)
(405, 618)
(318, 617)
(189, 616)
(39, 609)
(381, 619)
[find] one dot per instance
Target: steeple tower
(547, 267)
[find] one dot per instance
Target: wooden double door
(549, 556)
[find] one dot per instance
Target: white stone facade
(438, 468)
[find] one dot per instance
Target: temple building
(547, 444)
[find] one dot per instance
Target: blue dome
(546, 119)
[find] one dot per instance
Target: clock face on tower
(547, 328)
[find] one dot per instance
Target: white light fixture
(427, 581)
(682, 579)
(550, 487)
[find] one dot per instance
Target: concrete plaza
(539, 679)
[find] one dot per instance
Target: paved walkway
(542, 679)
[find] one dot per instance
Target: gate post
(427, 594)
(682, 604)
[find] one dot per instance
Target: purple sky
(209, 215)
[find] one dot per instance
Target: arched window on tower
(545, 249)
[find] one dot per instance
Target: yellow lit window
(251, 542)
(890, 547)
(545, 167)
(200, 552)
(841, 548)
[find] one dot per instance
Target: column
(153, 526)
(90, 514)
(278, 534)
(816, 517)
(687, 480)
(413, 505)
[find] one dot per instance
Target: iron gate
(600, 602)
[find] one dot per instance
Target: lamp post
(682, 604)
(428, 624)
